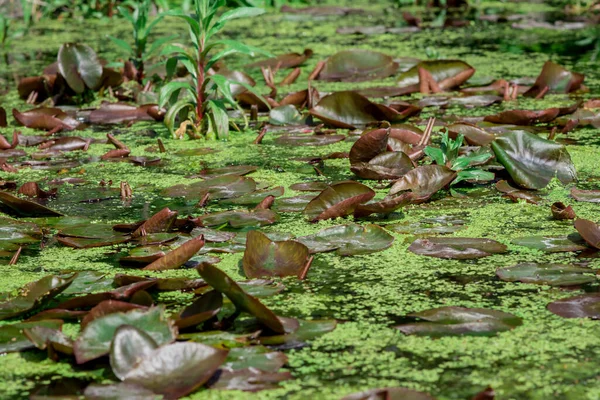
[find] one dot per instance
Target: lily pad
(202, 309)
(308, 140)
(26, 208)
(456, 247)
(129, 346)
(389, 394)
(179, 256)
(532, 162)
(264, 257)
(582, 306)
(237, 170)
(13, 338)
(349, 240)
(338, 200)
(457, 321)
(556, 79)
(80, 67)
(447, 73)
(547, 274)
(552, 244)
(221, 187)
(424, 181)
(588, 196)
(240, 218)
(307, 330)
(357, 65)
(95, 340)
(589, 231)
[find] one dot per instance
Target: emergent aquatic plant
(199, 107)
(448, 154)
(138, 53)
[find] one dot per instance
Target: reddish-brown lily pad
(26, 208)
(555, 79)
(338, 200)
(179, 256)
(389, 394)
(589, 231)
(588, 196)
(424, 181)
(582, 306)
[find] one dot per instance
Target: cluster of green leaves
(139, 53)
(448, 154)
(202, 104)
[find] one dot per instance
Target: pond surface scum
(369, 284)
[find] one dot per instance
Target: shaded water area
(548, 357)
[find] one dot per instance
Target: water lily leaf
(309, 186)
(350, 110)
(33, 295)
(456, 247)
(57, 313)
(177, 369)
(290, 60)
(524, 117)
(349, 239)
(338, 200)
(14, 234)
(389, 394)
(294, 204)
(249, 379)
(388, 165)
(45, 118)
(552, 244)
(589, 231)
(13, 338)
(455, 321)
(119, 113)
(531, 161)
(561, 211)
(447, 73)
(308, 140)
(259, 357)
(95, 339)
(26, 208)
(444, 224)
(357, 65)
(307, 330)
(285, 116)
(119, 391)
(264, 257)
(162, 221)
(106, 307)
(129, 346)
(474, 135)
(221, 282)
(424, 181)
(239, 218)
(385, 206)
(52, 339)
(588, 196)
(84, 236)
(80, 67)
(515, 194)
(255, 197)
(221, 187)
(547, 274)
(556, 79)
(202, 309)
(176, 258)
(582, 306)
(369, 145)
(87, 282)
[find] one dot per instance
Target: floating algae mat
(382, 200)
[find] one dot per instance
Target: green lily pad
(95, 340)
(221, 187)
(349, 239)
(306, 331)
(129, 346)
(13, 338)
(456, 321)
(88, 282)
(33, 295)
(552, 244)
(240, 218)
(80, 66)
(456, 247)
(547, 274)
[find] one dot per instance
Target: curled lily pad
(255, 197)
(14, 234)
(129, 346)
(589, 231)
(46, 118)
(389, 394)
(547, 274)
(532, 162)
(248, 379)
(176, 258)
(582, 306)
(552, 244)
(524, 117)
(26, 208)
(162, 221)
(237, 170)
(108, 307)
(239, 218)
(453, 321)
(474, 135)
(338, 200)
(424, 181)
(202, 309)
(289, 60)
(349, 239)
(515, 194)
(561, 211)
(95, 340)
(387, 165)
(13, 338)
(350, 110)
(357, 65)
(80, 67)
(555, 79)
(456, 247)
(285, 116)
(176, 369)
(221, 282)
(385, 206)
(222, 187)
(33, 295)
(447, 73)
(588, 196)
(309, 186)
(264, 257)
